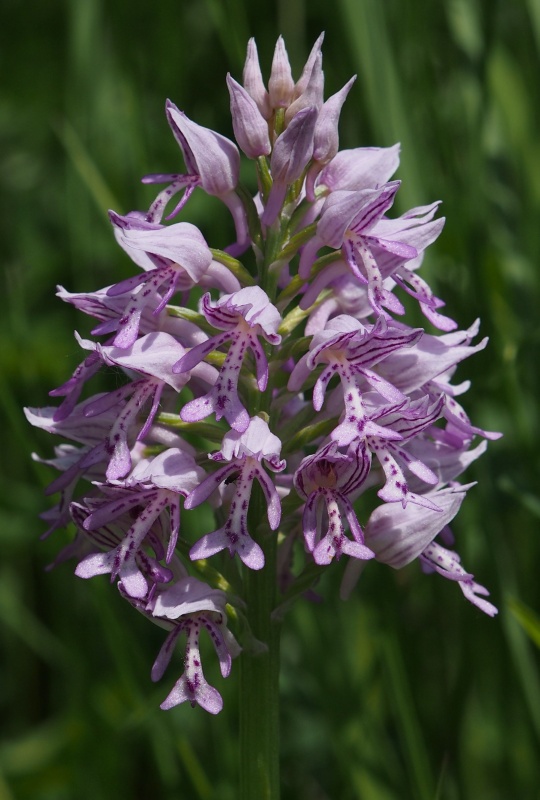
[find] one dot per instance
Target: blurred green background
(406, 691)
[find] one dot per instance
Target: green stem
(259, 673)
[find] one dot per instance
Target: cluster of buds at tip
(294, 372)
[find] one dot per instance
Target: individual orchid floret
(325, 480)
(250, 127)
(244, 453)
(176, 255)
(151, 356)
(242, 316)
(153, 486)
(106, 541)
(212, 162)
(349, 170)
(179, 248)
(349, 349)
(173, 258)
(345, 223)
(399, 535)
(208, 155)
(187, 607)
(375, 248)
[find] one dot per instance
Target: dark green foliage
(406, 691)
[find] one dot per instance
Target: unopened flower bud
(280, 84)
(253, 81)
(313, 94)
(326, 137)
(250, 127)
